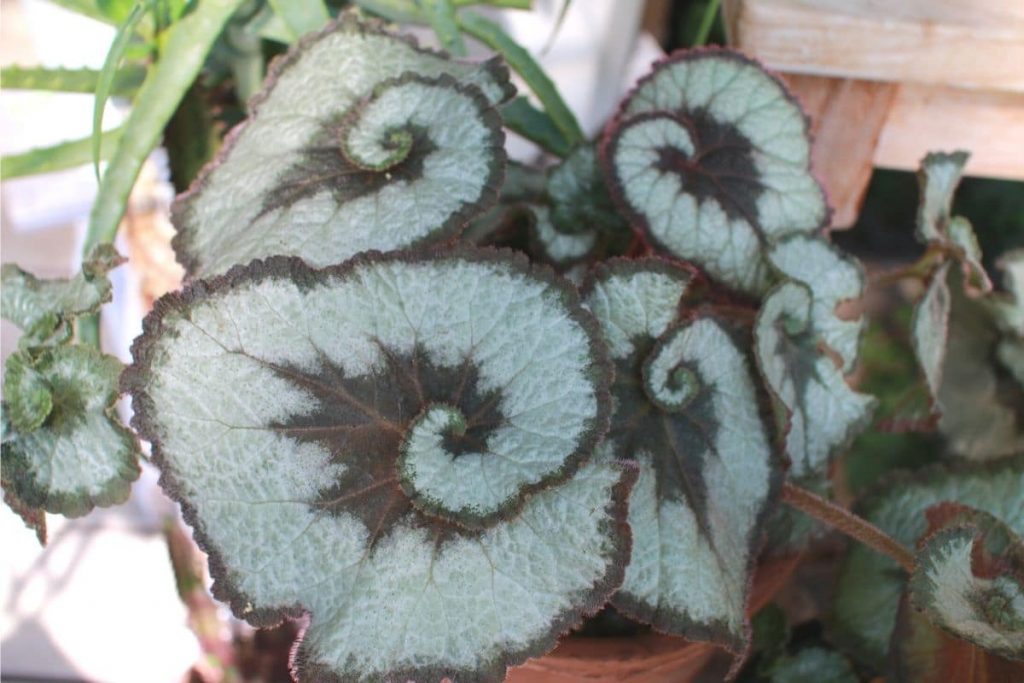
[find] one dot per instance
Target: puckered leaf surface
(361, 140)
(579, 197)
(833, 278)
(937, 180)
(687, 410)
(969, 579)
(396, 446)
(43, 309)
(930, 328)
(79, 456)
(825, 414)
(870, 584)
(710, 155)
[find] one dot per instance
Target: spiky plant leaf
(360, 140)
(930, 328)
(80, 456)
(686, 409)
(710, 155)
(870, 584)
(396, 446)
(969, 579)
(825, 414)
(833, 278)
(43, 309)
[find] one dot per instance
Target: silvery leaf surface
(398, 446)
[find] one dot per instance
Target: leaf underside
(710, 156)
(686, 409)
(870, 585)
(359, 141)
(410, 466)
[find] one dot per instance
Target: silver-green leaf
(710, 155)
(687, 410)
(360, 140)
(398, 446)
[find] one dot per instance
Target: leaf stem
(706, 22)
(845, 521)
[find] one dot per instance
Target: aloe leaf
(80, 456)
(107, 74)
(400, 148)
(186, 45)
(417, 454)
(301, 16)
(520, 61)
(710, 155)
(57, 157)
(688, 411)
(125, 82)
(87, 8)
(870, 585)
(969, 579)
(535, 125)
(825, 413)
(443, 20)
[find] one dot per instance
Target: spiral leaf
(710, 156)
(825, 414)
(360, 140)
(687, 410)
(410, 469)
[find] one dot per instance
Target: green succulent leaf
(833, 278)
(687, 411)
(45, 308)
(80, 456)
(969, 579)
(535, 125)
(710, 156)
(870, 584)
(125, 82)
(825, 414)
(412, 471)
(930, 328)
(57, 157)
(579, 197)
(400, 147)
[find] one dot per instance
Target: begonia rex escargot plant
(444, 407)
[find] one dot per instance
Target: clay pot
(647, 658)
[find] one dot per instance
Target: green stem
(706, 22)
(855, 527)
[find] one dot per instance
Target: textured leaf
(557, 247)
(1008, 307)
(813, 664)
(981, 401)
(930, 328)
(385, 145)
(969, 579)
(870, 584)
(961, 235)
(710, 156)
(825, 414)
(937, 179)
(579, 197)
(687, 411)
(40, 307)
(81, 456)
(924, 653)
(126, 80)
(833, 278)
(26, 393)
(412, 470)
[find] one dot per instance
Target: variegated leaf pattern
(870, 584)
(969, 579)
(710, 156)
(360, 140)
(825, 414)
(397, 446)
(687, 410)
(78, 455)
(930, 328)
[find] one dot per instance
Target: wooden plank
(990, 125)
(847, 119)
(966, 43)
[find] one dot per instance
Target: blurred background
(103, 601)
